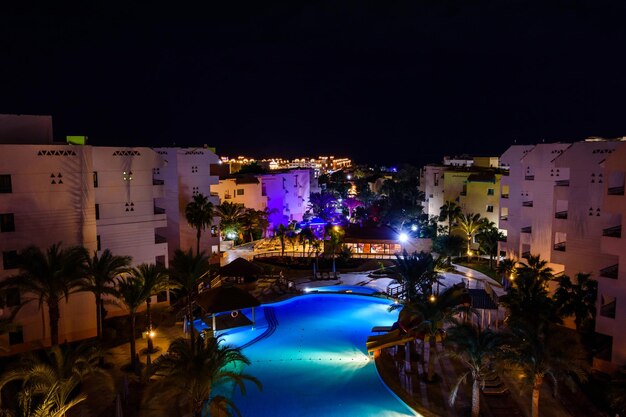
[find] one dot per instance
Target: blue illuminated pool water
(312, 360)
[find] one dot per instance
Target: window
(16, 337)
(489, 209)
(7, 222)
(13, 298)
(263, 190)
(490, 191)
(5, 184)
(97, 211)
(9, 259)
(98, 244)
(239, 191)
(95, 179)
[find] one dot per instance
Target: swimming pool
(309, 353)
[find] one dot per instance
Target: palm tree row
(532, 344)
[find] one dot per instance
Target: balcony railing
(616, 190)
(610, 271)
(526, 254)
(159, 210)
(502, 239)
(227, 196)
(157, 182)
(615, 231)
(504, 218)
(562, 183)
(529, 177)
(527, 229)
(214, 194)
(527, 203)
(159, 239)
(560, 215)
(559, 246)
(505, 196)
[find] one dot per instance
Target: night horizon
(345, 79)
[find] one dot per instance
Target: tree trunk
(98, 317)
(133, 350)
(476, 398)
(149, 321)
(536, 391)
(198, 234)
(432, 340)
(469, 239)
(55, 314)
(190, 327)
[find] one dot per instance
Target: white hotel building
(564, 202)
(114, 198)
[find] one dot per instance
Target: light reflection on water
(315, 363)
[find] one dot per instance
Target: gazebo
(223, 299)
(240, 271)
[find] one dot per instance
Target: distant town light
(349, 176)
(414, 228)
(403, 237)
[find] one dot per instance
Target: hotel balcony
(159, 239)
(504, 196)
(615, 190)
(527, 229)
(561, 183)
(529, 177)
(527, 203)
(227, 196)
(158, 191)
(615, 231)
(610, 271)
(504, 217)
(502, 239)
(560, 215)
(560, 246)
(159, 210)
(526, 254)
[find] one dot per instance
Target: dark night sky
(387, 81)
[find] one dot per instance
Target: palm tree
(578, 300)
(528, 301)
(469, 224)
(506, 269)
(55, 401)
(47, 278)
(432, 314)
(59, 366)
(98, 277)
(449, 212)
(475, 349)
(322, 205)
(188, 271)
(199, 213)
(231, 217)
(250, 222)
(155, 280)
(545, 351)
(131, 291)
(416, 274)
(488, 238)
(305, 236)
(281, 233)
(190, 374)
(351, 203)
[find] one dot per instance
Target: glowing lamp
(151, 334)
(432, 298)
(403, 237)
(414, 228)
